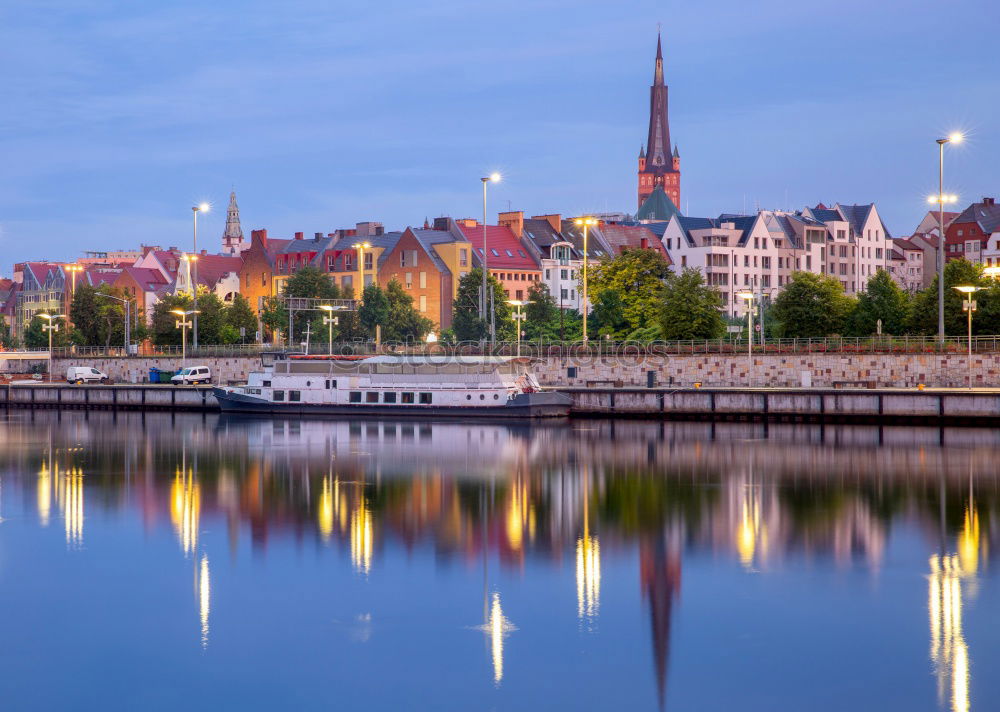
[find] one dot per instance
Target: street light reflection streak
(361, 538)
(948, 650)
(185, 510)
(44, 494)
(204, 598)
(69, 495)
(497, 627)
(588, 577)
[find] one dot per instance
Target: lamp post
(183, 324)
(586, 222)
(519, 318)
(361, 247)
(941, 199)
(749, 297)
(483, 305)
(969, 305)
(128, 317)
(50, 327)
(195, 209)
(73, 271)
(330, 320)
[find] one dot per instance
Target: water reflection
(580, 499)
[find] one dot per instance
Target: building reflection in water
(951, 577)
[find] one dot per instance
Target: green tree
(239, 315)
(467, 324)
(6, 339)
(923, 317)
(164, 329)
(812, 305)
(883, 299)
(689, 308)
(307, 283)
(404, 323)
(637, 276)
(83, 312)
(211, 318)
(36, 337)
(607, 319)
(374, 310)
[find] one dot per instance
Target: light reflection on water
(596, 520)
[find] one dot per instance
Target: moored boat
(493, 386)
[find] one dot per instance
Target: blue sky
(116, 116)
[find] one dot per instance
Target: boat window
(278, 396)
(355, 397)
(371, 397)
(407, 398)
(267, 384)
(389, 397)
(295, 396)
(331, 384)
(425, 398)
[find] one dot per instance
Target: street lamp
(128, 316)
(183, 324)
(491, 178)
(519, 318)
(195, 209)
(586, 222)
(969, 305)
(361, 247)
(749, 297)
(941, 199)
(73, 270)
(330, 320)
(50, 327)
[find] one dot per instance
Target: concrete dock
(979, 406)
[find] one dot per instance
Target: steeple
(232, 238)
(660, 165)
(658, 71)
(642, 150)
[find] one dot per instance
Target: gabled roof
(387, 241)
(658, 206)
(826, 215)
(148, 279)
(597, 245)
(985, 215)
(540, 232)
(97, 277)
(212, 268)
(505, 250)
(857, 215)
(631, 237)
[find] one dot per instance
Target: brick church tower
(658, 164)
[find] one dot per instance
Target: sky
(117, 117)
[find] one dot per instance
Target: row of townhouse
(759, 253)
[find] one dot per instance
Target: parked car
(192, 375)
(85, 374)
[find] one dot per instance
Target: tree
(83, 312)
(6, 340)
(239, 315)
(608, 316)
(164, 329)
(883, 299)
(923, 317)
(35, 337)
(307, 283)
(374, 310)
(689, 308)
(812, 305)
(404, 323)
(637, 276)
(211, 318)
(467, 324)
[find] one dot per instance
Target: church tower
(659, 163)
(232, 239)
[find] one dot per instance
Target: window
(348, 262)
(409, 280)
(746, 260)
(494, 252)
(371, 397)
(423, 303)
(509, 253)
(278, 396)
(563, 294)
(519, 295)
(355, 397)
(267, 384)
(426, 398)
(548, 274)
(295, 396)
(368, 260)
(520, 253)
(407, 398)
(389, 397)
(423, 280)
(331, 384)
(463, 259)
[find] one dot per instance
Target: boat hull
(543, 404)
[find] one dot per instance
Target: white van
(85, 374)
(192, 375)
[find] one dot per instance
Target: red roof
(505, 251)
(148, 279)
(97, 277)
(627, 237)
(212, 268)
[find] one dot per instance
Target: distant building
(968, 234)
(659, 162)
(233, 243)
(506, 258)
(258, 268)
(907, 265)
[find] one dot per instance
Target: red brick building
(968, 234)
(257, 272)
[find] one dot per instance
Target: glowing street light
(519, 318)
(73, 271)
(50, 327)
(183, 324)
(941, 199)
(195, 209)
(968, 305)
(361, 247)
(483, 304)
(329, 320)
(749, 297)
(586, 222)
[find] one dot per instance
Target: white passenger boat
(495, 386)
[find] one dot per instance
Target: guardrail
(596, 347)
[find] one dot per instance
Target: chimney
(468, 222)
(317, 236)
(514, 220)
(368, 229)
(299, 235)
(441, 223)
(554, 220)
(644, 242)
(259, 234)
(331, 234)
(989, 201)
(204, 252)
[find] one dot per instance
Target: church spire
(658, 71)
(658, 142)
(232, 238)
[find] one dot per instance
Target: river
(201, 562)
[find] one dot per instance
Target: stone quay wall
(711, 370)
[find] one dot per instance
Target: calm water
(198, 563)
